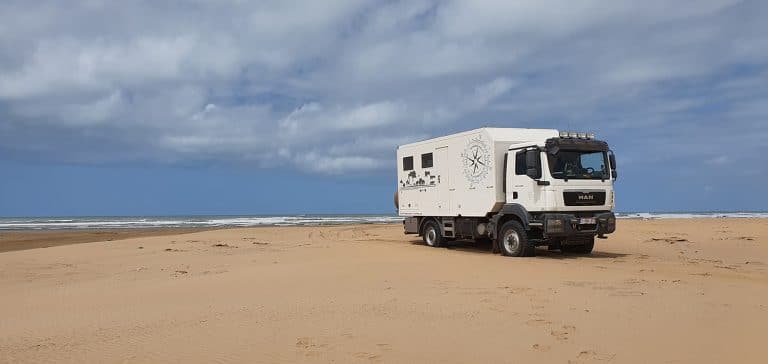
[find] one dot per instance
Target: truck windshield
(569, 164)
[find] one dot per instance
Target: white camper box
(460, 174)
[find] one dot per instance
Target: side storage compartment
(411, 225)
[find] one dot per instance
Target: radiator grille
(584, 198)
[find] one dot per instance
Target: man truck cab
(521, 188)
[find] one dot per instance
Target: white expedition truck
(520, 188)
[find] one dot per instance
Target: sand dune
(667, 291)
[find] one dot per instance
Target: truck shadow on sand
(470, 246)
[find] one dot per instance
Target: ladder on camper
(448, 225)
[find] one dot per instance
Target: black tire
(585, 248)
(432, 235)
(513, 240)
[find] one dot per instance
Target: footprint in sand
(564, 333)
(223, 245)
(634, 281)
(538, 322)
(515, 290)
(366, 355)
(384, 347)
(309, 346)
(731, 267)
(705, 274)
(179, 273)
(589, 355)
(215, 271)
(669, 240)
(304, 343)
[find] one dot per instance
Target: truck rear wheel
(432, 235)
(513, 241)
(585, 248)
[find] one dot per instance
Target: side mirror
(533, 163)
(612, 159)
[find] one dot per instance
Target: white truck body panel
(467, 174)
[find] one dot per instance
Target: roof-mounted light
(580, 135)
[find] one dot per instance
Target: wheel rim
(511, 241)
(431, 236)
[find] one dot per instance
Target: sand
(32, 239)
(667, 291)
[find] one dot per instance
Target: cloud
(314, 116)
(335, 86)
(316, 162)
(486, 93)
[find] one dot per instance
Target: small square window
(426, 160)
(407, 163)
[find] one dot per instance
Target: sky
(289, 107)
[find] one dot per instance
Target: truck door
(521, 189)
(443, 181)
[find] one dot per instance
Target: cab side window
(520, 167)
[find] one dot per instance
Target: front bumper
(563, 225)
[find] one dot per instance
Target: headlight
(482, 229)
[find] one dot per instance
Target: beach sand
(661, 291)
(32, 239)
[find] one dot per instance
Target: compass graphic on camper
(476, 159)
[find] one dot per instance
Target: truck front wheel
(513, 240)
(432, 236)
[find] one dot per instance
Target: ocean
(122, 222)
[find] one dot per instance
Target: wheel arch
(509, 212)
(423, 222)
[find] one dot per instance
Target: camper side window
(520, 166)
(426, 160)
(407, 163)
